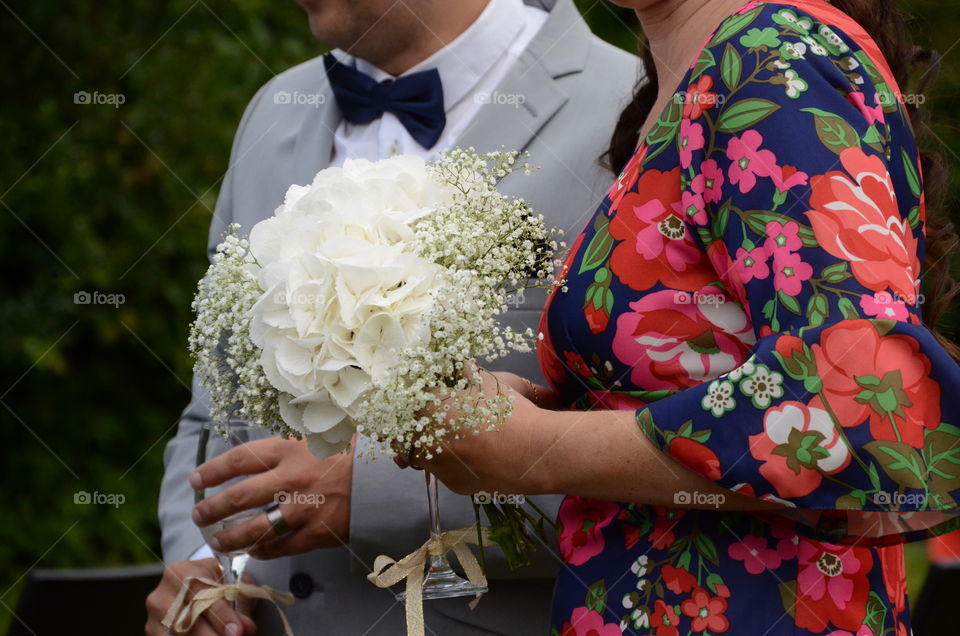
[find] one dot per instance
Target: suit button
(301, 585)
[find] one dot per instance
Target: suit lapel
(529, 95)
(313, 148)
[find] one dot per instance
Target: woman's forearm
(604, 455)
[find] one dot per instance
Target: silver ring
(277, 522)
(410, 459)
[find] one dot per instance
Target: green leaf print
(834, 132)
(734, 25)
(744, 114)
(731, 67)
(901, 462)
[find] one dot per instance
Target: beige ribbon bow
(387, 572)
(182, 615)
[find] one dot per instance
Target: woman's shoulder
(797, 55)
(811, 35)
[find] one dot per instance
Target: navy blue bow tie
(416, 100)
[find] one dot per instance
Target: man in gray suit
(524, 74)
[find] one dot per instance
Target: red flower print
(699, 98)
(696, 457)
(789, 272)
(832, 585)
(883, 378)
(670, 341)
(884, 305)
(677, 580)
(665, 619)
(586, 622)
(752, 264)
(799, 442)
(691, 140)
(858, 219)
(627, 177)
(706, 612)
(597, 319)
(729, 275)
(749, 162)
(582, 521)
(755, 554)
(662, 536)
(550, 361)
(789, 177)
(655, 245)
(576, 362)
(709, 182)
(894, 575)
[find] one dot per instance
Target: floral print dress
(750, 287)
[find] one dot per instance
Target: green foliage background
(118, 200)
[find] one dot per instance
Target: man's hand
(220, 620)
(314, 497)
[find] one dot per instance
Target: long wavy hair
(914, 69)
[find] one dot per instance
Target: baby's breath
(486, 245)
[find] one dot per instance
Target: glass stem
(433, 506)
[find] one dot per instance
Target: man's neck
(415, 36)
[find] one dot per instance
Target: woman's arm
(596, 454)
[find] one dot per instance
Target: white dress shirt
(471, 67)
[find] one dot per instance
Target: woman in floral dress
(740, 344)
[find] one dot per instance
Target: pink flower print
(755, 554)
(783, 236)
(709, 182)
(582, 521)
(749, 162)
(752, 264)
(694, 208)
(691, 140)
(884, 305)
(789, 272)
(872, 114)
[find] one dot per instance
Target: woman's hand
(507, 460)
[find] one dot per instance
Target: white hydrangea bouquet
(361, 304)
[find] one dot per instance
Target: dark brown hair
(913, 68)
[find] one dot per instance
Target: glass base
(445, 584)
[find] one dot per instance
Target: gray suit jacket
(573, 87)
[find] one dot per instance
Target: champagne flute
(216, 440)
(440, 580)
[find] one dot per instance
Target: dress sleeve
(801, 183)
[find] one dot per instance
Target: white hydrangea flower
(366, 297)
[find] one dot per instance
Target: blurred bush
(102, 197)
